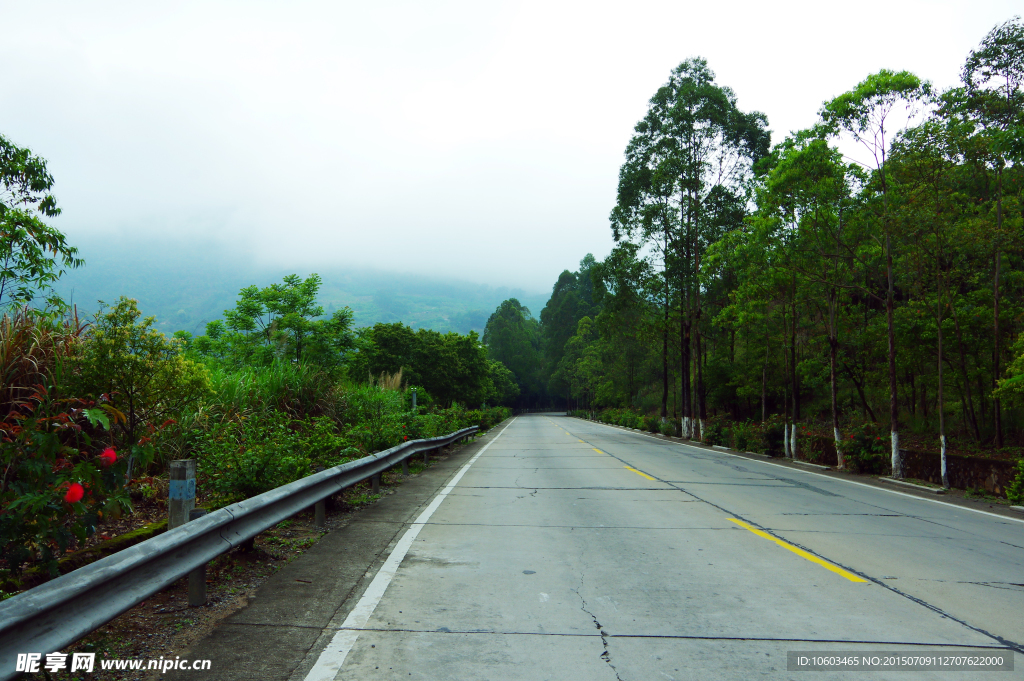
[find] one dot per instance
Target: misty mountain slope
(185, 286)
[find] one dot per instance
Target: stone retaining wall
(965, 472)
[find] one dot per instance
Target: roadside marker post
(181, 495)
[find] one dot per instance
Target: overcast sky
(477, 140)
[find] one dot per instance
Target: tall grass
(32, 347)
(299, 390)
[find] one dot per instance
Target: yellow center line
(800, 552)
(641, 474)
(597, 450)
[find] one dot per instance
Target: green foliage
(46, 448)
(866, 451)
(715, 432)
(33, 255)
(450, 366)
(505, 390)
(245, 457)
(512, 337)
(137, 369)
(279, 322)
(1012, 388)
(379, 416)
(1015, 490)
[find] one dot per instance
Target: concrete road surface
(556, 548)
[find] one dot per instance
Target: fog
(476, 141)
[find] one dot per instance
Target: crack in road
(605, 654)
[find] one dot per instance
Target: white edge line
(806, 472)
(331, 659)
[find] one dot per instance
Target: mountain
(187, 285)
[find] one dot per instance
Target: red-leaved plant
(54, 490)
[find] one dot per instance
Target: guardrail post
(375, 483)
(405, 466)
(320, 514)
(320, 508)
(197, 578)
(426, 457)
(181, 497)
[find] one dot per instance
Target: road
(563, 549)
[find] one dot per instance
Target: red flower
(108, 457)
(75, 493)
(405, 437)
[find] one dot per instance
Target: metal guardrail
(54, 615)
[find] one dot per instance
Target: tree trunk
(833, 351)
(664, 353)
(684, 365)
(702, 407)
(764, 380)
(894, 409)
(792, 365)
(997, 416)
(942, 417)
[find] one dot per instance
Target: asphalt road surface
(562, 549)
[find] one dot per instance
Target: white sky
(477, 140)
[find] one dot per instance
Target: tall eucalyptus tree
(809, 191)
(993, 76)
(681, 186)
(865, 114)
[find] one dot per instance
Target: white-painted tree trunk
(942, 451)
(897, 461)
(792, 442)
(840, 461)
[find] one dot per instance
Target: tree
(571, 300)
(385, 348)
(141, 371)
(680, 186)
(33, 254)
(279, 322)
(504, 388)
(993, 76)
(810, 186)
(512, 337)
(863, 113)
(452, 367)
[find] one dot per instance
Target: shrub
(138, 368)
(715, 432)
(741, 434)
(865, 451)
(773, 435)
(246, 457)
(378, 416)
(668, 427)
(57, 486)
(1015, 490)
